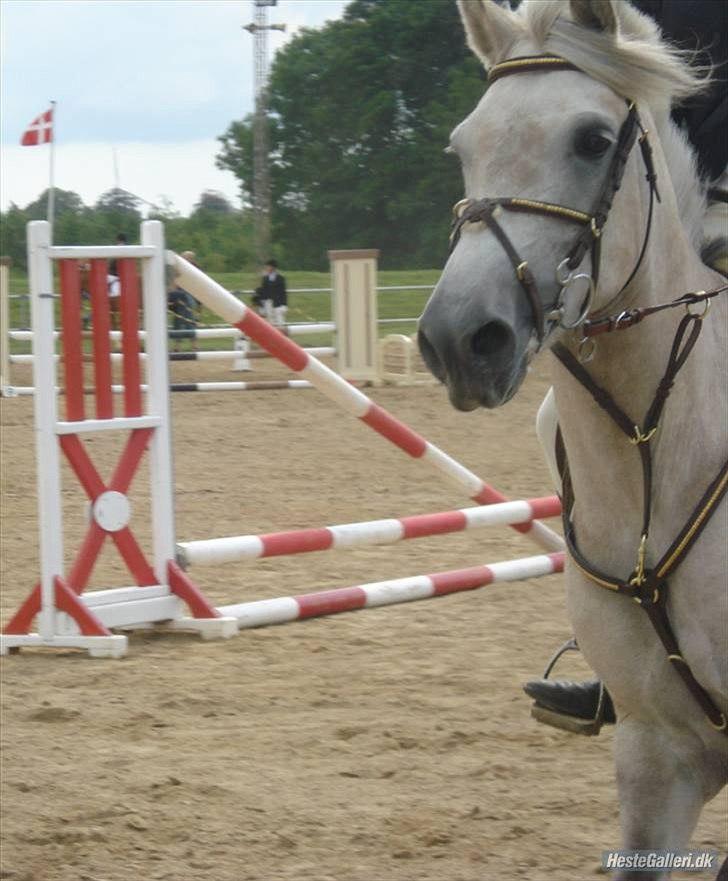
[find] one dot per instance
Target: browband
(527, 63)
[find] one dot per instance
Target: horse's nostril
(430, 356)
(492, 339)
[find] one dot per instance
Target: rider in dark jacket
(700, 25)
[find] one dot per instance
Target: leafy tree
(214, 202)
(360, 112)
(65, 202)
(117, 211)
(236, 155)
(118, 201)
(12, 234)
(221, 236)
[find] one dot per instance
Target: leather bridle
(589, 238)
(648, 586)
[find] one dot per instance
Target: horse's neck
(689, 445)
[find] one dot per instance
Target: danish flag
(40, 131)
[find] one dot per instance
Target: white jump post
(68, 616)
(354, 306)
(5, 263)
(242, 364)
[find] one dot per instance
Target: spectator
(184, 308)
(114, 285)
(271, 298)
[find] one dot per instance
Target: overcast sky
(155, 81)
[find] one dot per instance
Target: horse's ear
(490, 29)
(598, 15)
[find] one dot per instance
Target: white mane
(639, 65)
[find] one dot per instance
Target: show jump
(161, 593)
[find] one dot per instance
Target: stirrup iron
(573, 724)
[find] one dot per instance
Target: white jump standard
(67, 616)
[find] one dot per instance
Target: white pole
(48, 465)
(51, 187)
(158, 399)
(5, 263)
(116, 168)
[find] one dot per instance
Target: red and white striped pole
(280, 610)
(355, 402)
(237, 548)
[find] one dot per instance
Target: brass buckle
(640, 438)
(638, 579)
(706, 307)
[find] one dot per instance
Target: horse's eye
(591, 144)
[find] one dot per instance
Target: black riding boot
(579, 699)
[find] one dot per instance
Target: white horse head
(550, 135)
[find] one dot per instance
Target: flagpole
(51, 187)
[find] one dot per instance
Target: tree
(360, 113)
(12, 235)
(117, 211)
(236, 155)
(214, 202)
(118, 201)
(66, 202)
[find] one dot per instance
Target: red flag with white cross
(40, 131)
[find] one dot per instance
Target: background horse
(537, 154)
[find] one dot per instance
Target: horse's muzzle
(477, 360)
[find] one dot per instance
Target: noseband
(589, 239)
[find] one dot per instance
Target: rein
(646, 586)
(630, 317)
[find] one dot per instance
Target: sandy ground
(385, 745)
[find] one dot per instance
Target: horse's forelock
(636, 62)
